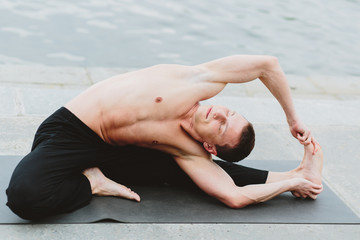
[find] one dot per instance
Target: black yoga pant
(49, 180)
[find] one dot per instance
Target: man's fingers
(305, 138)
(313, 196)
(303, 195)
(307, 141)
(315, 192)
(296, 194)
(301, 137)
(318, 187)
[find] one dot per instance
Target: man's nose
(219, 116)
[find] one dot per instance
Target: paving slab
(8, 99)
(310, 111)
(178, 231)
(43, 75)
(17, 134)
(303, 84)
(97, 74)
(238, 90)
(341, 161)
(274, 142)
(40, 100)
(337, 84)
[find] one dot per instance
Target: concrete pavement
(330, 106)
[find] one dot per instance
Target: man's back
(145, 107)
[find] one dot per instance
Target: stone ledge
(43, 75)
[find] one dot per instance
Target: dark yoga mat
(164, 204)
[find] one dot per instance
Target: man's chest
(164, 135)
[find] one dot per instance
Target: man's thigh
(136, 165)
(49, 163)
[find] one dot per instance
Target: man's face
(218, 125)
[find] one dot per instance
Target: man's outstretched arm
(245, 68)
(217, 183)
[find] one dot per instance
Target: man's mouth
(208, 112)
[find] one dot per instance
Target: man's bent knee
(24, 201)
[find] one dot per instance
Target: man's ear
(210, 148)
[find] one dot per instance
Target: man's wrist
(292, 184)
(292, 120)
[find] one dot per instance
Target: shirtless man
(158, 108)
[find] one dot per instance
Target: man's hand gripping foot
(310, 167)
(103, 186)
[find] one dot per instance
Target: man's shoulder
(200, 155)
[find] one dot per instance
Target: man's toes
(127, 193)
(136, 197)
(309, 148)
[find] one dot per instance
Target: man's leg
(139, 166)
(48, 180)
(147, 166)
(243, 175)
(43, 184)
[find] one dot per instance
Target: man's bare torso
(146, 107)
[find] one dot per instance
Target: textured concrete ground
(330, 106)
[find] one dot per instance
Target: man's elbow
(238, 201)
(270, 62)
(236, 204)
(270, 65)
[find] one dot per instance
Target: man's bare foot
(103, 186)
(311, 165)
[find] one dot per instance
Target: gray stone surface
(341, 166)
(238, 90)
(40, 100)
(274, 142)
(303, 85)
(337, 85)
(330, 107)
(97, 74)
(256, 88)
(311, 111)
(17, 134)
(8, 99)
(179, 231)
(43, 75)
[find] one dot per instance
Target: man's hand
(304, 188)
(303, 134)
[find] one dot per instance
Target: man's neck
(188, 121)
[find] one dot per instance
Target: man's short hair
(242, 149)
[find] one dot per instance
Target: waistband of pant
(78, 124)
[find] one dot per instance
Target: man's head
(224, 132)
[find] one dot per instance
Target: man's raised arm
(245, 68)
(217, 183)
